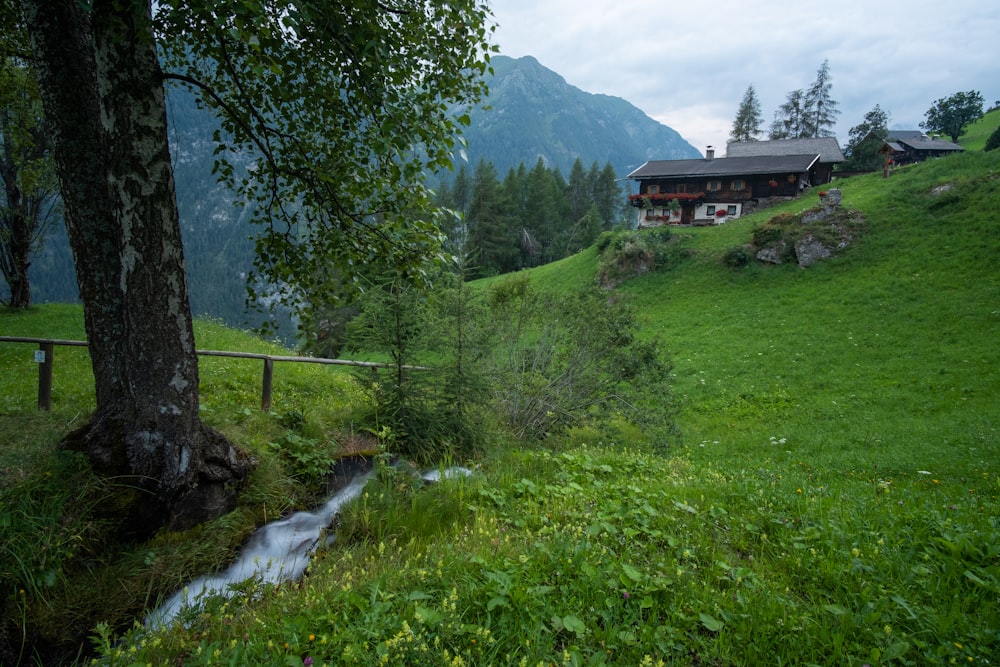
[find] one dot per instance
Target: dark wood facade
(712, 190)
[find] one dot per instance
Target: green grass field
(833, 500)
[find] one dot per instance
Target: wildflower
(306, 661)
(626, 595)
(312, 638)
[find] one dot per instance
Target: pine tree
(790, 118)
(607, 195)
(820, 109)
(491, 245)
(747, 124)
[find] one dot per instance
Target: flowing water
(278, 551)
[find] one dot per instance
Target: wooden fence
(45, 358)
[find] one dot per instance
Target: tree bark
(102, 92)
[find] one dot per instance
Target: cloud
(688, 64)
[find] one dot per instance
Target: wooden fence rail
(46, 346)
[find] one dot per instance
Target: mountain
(531, 113)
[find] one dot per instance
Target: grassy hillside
(834, 499)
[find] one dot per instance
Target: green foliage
(993, 142)
(864, 141)
(427, 403)
(317, 108)
(561, 361)
(738, 257)
(309, 459)
(951, 115)
(626, 254)
(29, 196)
(533, 217)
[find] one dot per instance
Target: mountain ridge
(532, 113)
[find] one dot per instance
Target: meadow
(832, 499)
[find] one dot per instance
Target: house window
(710, 210)
(731, 209)
(653, 190)
(714, 185)
(738, 185)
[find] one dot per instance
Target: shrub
(737, 257)
(628, 254)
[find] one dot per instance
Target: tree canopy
(951, 115)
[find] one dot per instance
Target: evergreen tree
(747, 124)
(607, 195)
(820, 109)
(864, 141)
(579, 192)
(491, 246)
(545, 215)
(791, 118)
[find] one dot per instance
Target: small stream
(278, 551)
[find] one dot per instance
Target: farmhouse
(711, 190)
(827, 148)
(909, 146)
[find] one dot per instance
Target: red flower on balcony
(721, 213)
(664, 198)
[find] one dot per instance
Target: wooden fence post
(265, 394)
(44, 359)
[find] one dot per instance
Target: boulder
(809, 250)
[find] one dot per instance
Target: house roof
(895, 135)
(725, 166)
(923, 143)
(827, 147)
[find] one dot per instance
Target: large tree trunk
(102, 92)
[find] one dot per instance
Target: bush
(628, 254)
(738, 257)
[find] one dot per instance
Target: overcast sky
(688, 64)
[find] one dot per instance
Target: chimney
(709, 153)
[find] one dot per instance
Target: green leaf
(684, 506)
(896, 651)
(574, 624)
(631, 572)
(711, 623)
(498, 601)
(428, 616)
